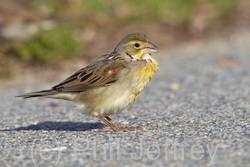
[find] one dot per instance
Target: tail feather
(42, 93)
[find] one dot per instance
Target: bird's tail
(43, 93)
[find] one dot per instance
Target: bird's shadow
(59, 126)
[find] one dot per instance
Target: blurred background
(49, 35)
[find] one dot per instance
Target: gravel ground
(198, 114)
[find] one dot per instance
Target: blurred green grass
(179, 11)
(49, 46)
(73, 16)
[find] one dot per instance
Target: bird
(111, 82)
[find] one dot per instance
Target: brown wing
(103, 72)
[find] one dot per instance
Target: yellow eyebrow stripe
(133, 42)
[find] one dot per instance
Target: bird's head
(136, 45)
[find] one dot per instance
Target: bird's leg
(111, 121)
(110, 124)
(120, 128)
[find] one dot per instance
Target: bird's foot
(118, 129)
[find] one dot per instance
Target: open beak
(150, 48)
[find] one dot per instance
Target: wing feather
(102, 72)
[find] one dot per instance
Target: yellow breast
(145, 74)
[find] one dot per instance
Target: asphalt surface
(194, 112)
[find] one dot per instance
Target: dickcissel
(111, 83)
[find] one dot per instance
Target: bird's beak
(150, 48)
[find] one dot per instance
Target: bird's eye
(137, 45)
